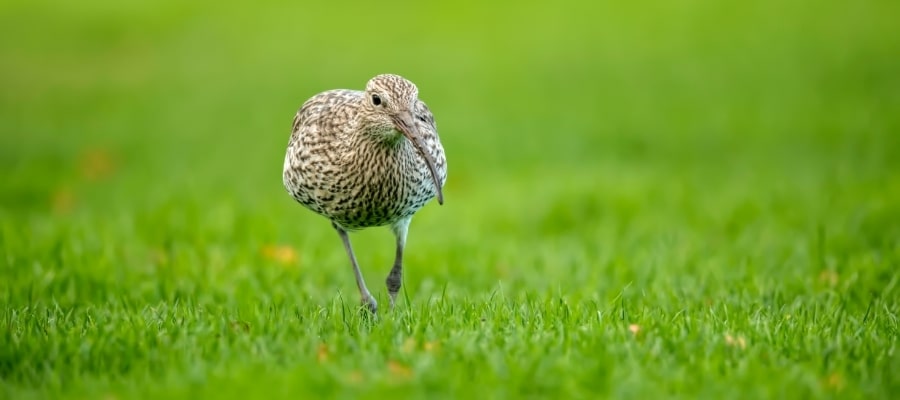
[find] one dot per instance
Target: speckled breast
(377, 187)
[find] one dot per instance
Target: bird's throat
(393, 138)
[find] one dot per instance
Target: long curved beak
(405, 124)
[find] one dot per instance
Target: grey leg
(364, 294)
(395, 277)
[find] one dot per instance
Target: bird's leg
(364, 294)
(395, 276)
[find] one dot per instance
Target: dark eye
(376, 100)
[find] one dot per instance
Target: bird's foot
(370, 304)
(393, 297)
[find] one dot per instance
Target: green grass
(656, 200)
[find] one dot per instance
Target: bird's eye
(376, 100)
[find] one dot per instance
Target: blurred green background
(199, 96)
(701, 148)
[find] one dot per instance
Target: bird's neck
(393, 138)
(381, 139)
(381, 146)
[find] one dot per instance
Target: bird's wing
(303, 113)
(306, 120)
(297, 120)
(298, 123)
(428, 129)
(320, 111)
(424, 115)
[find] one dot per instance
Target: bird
(367, 158)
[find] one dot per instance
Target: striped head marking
(391, 93)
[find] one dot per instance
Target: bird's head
(391, 100)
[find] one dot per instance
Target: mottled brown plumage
(365, 159)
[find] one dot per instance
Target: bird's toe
(370, 304)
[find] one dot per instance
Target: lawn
(650, 200)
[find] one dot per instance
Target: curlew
(366, 159)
